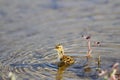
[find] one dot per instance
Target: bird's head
(60, 50)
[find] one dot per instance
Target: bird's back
(67, 59)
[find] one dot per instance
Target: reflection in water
(87, 68)
(98, 63)
(61, 68)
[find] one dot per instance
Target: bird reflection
(61, 68)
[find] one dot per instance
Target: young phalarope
(62, 57)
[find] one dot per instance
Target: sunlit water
(29, 30)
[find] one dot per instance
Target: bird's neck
(60, 54)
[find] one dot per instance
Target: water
(30, 29)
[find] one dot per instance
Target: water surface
(30, 29)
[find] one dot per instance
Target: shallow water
(30, 29)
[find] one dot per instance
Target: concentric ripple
(30, 29)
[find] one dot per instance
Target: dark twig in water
(89, 46)
(113, 75)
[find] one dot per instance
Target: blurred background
(29, 30)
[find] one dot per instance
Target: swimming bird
(65, 59)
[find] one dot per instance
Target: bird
(64, 59)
